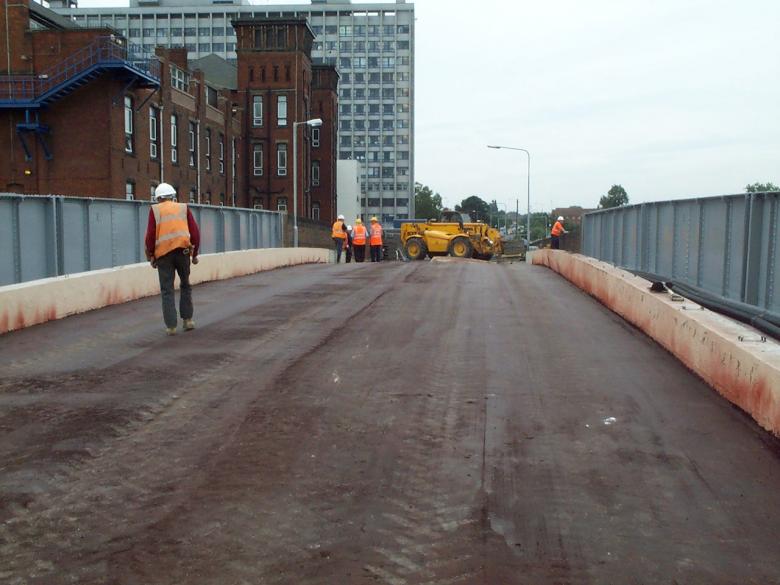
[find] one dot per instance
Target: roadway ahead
(428, 423)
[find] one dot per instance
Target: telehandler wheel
(415, 249)
(461, 247)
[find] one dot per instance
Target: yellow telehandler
(454, 235)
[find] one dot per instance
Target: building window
(257, 160)
(129, 190)
(281, 159)
(233, 169)
(281, 110)
(180, 79)
(193, 194)
(315, 211)
(221, 154)
(208, 149)
(174, 138)
(281, 204)
(212, 97)
(192, 144)
(128, 124)
(315, 173)
(315, 137)
(154, 121)
(257, 110)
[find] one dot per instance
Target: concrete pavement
(425, 423)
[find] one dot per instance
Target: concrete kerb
(730, 356)
(38, 301)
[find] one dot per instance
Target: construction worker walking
(359, 239)
(556, 233)
(339, 235)
(376, 240)
(172, 238)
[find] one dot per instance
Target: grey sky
(670, 98)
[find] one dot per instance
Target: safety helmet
(374, 219)
(358, 220)
(164, 191)
(349, 228)
(560, 218)
(340, 217)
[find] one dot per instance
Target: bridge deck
(399, 423)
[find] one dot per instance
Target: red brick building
(325, 104)
(276, 83)
(87, 115)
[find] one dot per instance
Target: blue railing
(103, 52)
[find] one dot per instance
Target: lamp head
(315, 123)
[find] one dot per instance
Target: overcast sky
(669, 98)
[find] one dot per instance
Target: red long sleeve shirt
(151, 234)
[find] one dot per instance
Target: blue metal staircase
(31, 93)
(104, 54)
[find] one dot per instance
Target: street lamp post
(314, 123)
(528, 217)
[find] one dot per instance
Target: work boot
(189, 324)
(170, 330)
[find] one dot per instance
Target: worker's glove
(195, 260)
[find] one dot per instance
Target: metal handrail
(102, 51)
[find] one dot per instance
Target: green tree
(476, 207)
(615, 197)
(761, 188)
(427, 204)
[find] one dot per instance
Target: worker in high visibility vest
(556, 233)
(172, 238)
(375, 240)
(339, 235)
(359, 239)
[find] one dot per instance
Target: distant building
(571, 215)
(278, 86)
(371, 43)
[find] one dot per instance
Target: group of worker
(349, 240)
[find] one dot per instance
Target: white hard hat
(349, 228)
(164, 191)
(340, 217)
(560, 218)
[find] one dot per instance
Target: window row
(373, 62)
(372, 30)
(387, 93)
(384, 202)
(373, 109)
(155, 134)
(361, 46)
(374, 77)
(258, 162)
(360, 125)
(376, 141)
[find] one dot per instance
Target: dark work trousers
(376, 253)
(349, 253)
(167, 267)
(338, 246)
(360, 253)
(556, 242)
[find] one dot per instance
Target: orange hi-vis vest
(338, 230)
(376, 234)
(172, 230)
(359, 233)
(557, 229)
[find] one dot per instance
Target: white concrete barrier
(727, 354)
(38, 301)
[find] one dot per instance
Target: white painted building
(348, 198)
(372, 45)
